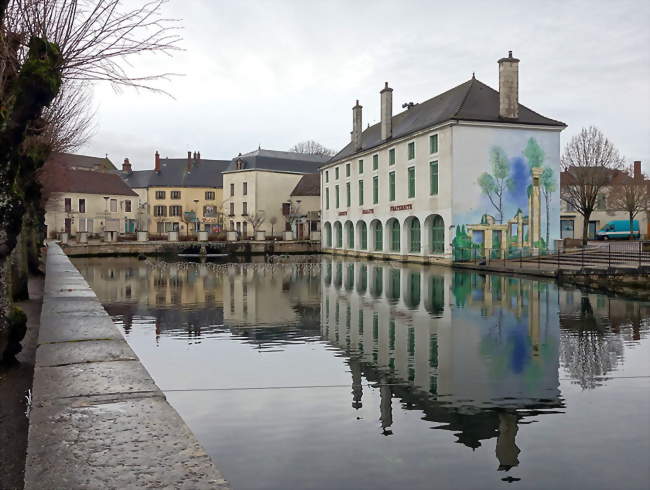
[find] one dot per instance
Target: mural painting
(516, 205)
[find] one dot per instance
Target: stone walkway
(98, 420)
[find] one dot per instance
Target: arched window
(338, 231)
(328, 235)
(414, 233)
(363, 235)
(349, 230)
(394, 236)
(437, 235)
(379, 238)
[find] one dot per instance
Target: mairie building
(468, 171)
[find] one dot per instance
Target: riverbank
(155, 248)
(15, 384)
(98, 420)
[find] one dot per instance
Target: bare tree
(588, 161)
(631, 195)
(311, 147)
(256, 220)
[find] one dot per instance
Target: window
(160, 194)
(232, 209)
(433, 171)
(327, 198)
(327, 176)
(348, 194)
(379, 236)
(394, 236)
(245, 188)
(360, 166)
(67, 205)
(175, 210)
(375, 189)
(363, 235)
(127, 206)
(82, 205)
(391, 156)
(361, 193)
(244, 208)
(209, 195)
(160, 210)
(438, 235)
(286, 209)
(375, 162)
(175, 194)
(232, 189)
(347, 169)
(411, 182)
(411, 150)
(337, 197)
(433, 143)
(336, 173)
(391, 186)
(245, 231)
(601, 203)
(415, 235)
(113, 205)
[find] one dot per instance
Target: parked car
(619, 229)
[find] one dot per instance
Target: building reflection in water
(475, 353)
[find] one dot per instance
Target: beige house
(179, 194)
(258, 186)
(571, 221)
(85, 194)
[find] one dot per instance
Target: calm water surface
(354, 375)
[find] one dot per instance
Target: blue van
(618, 229)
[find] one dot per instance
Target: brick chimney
(126, 166)
(386, 112)
(356, 126)
(637, 170)
(509, 87)
(157, 162)
(189, 161)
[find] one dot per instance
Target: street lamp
(196, 215)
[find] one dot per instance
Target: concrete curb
(98, 420)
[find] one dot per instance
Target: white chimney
(386, 112)
(509, 87)
(356, 126)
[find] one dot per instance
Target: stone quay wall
(97, 418)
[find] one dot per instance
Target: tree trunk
(585, 228)
(632, 226)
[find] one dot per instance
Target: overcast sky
(273, 73)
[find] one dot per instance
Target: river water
(351, 374)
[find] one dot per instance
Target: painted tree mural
(493, 185)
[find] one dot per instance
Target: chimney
(126, 166)
(386, 113)
(509, 87)
(189, 161)
(356, 126)
(637, 170)
(157, 162)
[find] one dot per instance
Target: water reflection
(482, 359)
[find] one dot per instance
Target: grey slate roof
(309, 185)
(469, 101)
(174, 173)
(279, 161)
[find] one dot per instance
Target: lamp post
(196, 216)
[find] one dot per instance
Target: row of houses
(266, 191)
(471, 168)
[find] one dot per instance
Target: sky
(273, 73)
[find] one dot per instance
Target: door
(566, 228)
(68, 226)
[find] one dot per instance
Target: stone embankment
(97, 419)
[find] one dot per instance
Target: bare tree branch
(311, 147)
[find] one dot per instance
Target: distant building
(306, 196)
(85, 194)
(261, 183)
(571, 221)
(467, 170)
(179, 194)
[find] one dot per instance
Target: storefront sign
(343, 213)
(368, 211)
(401, 207)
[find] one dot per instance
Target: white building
(445, 176)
